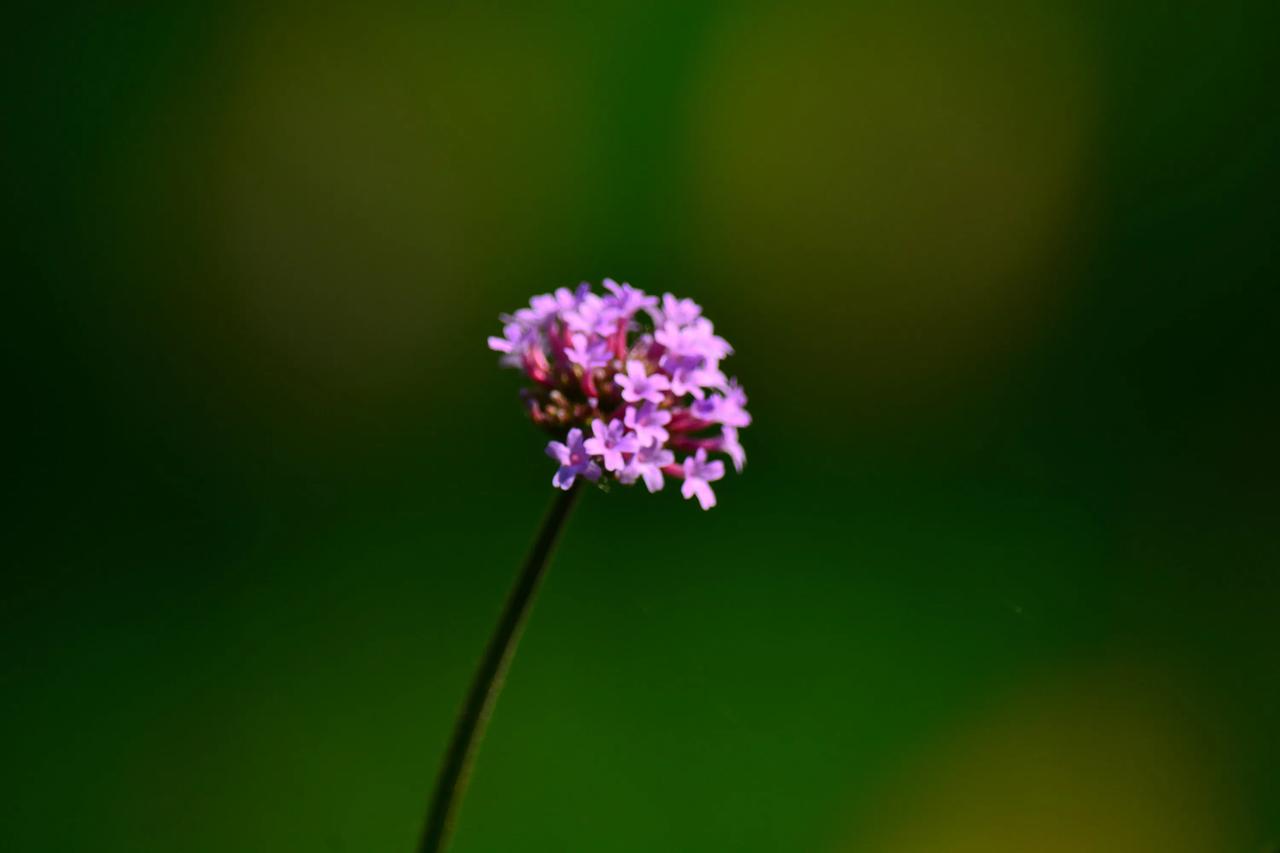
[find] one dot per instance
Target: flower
(648, 464)
(699, 474)
(637, 385)
(647, 422)
(574, 460)
(627, 300)
(733, 408)
(728, 408)
(679, 312)
(610, 442)
(627, 384)
(698, 341)
(730, 446)
(587, 353)
(592, 315)
(514, 336)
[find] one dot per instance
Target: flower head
(643, 376)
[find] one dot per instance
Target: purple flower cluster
(628, 381)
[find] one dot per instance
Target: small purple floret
(638, 385)
(574, 460)
(699, 474)
(610, 442)
(649, 423)
(647, 464)
(587, 353)
(730, 446)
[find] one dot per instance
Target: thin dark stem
(487, 684)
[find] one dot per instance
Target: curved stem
(487, 683)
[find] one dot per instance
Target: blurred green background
(1000, 574)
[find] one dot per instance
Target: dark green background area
(1000, 573)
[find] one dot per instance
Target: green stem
(487, 683)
